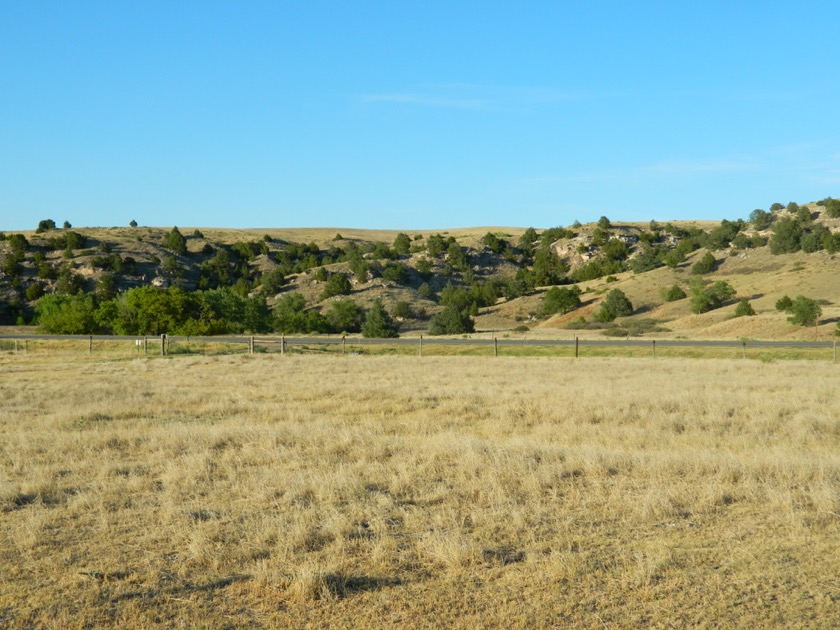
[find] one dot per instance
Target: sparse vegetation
(404, 497)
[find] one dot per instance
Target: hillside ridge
(502, 279)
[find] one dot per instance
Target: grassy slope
(255, 491)
(755, 274)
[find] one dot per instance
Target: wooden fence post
(163, 344)
(743, 349)
(343, 344)
(654, 348)
(145, 345)
(90, 344)
(421, 346)
(495, 347)
(282, 345)
(577, 347)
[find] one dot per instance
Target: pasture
(438, 491)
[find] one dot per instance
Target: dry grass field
(370, 491)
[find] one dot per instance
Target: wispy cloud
(476, 97)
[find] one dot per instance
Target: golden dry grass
(330, 491)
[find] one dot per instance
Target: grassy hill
(499, 276)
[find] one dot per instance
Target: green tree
(435, 245)
(456, 257)
(34, 291)
(744, 308)
(561, 300)
(616, 304)
(175, 241)
(69, 282)
(674, 258)
(493, 243)
(784, 303)
(345, 316)
(548, 267)
(615, 249)
(424, 268)
(272, 281)
(832, 207)
(706, 264)
(153, 311)
(403, 310)
(395, 272)
(425, 291)
(645, 260)
(378, 323)
(337, 284)
(44, 225)
(526, 242)
(451, 321)
(402, 244)
(291, 316)
(18, 243)
(707, 298)
(786, 236)
(804, 311)
(761, 219)
(106, 287)
(673, 294)
(66, 314)
(721, 236)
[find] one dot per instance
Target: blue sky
(413, 114)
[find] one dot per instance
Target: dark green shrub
(451, 321)
(34, 291)
(44, 225)
(786, 236)
(673, 294)
(804, 311)
(707, 298)
(425, 291)
(784, 303)
(761, 219)
(561, 300)
(744, 308)
(403, 310)
(345, 316)
(378, 323)
(706, 264)
(614, 305)
(175, 241)
(646, 260)
(337, 284)
(402, 244)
